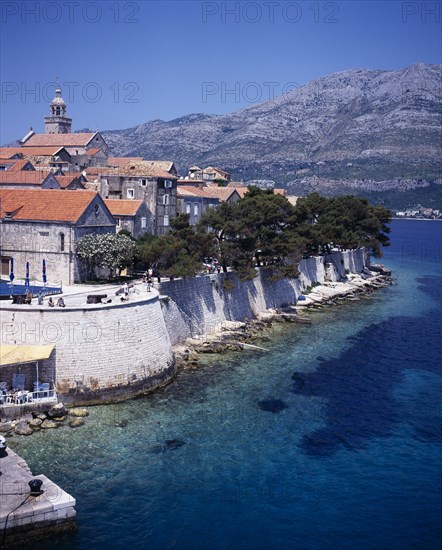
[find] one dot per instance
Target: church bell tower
(58, 122)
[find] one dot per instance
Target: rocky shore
(57, 415)
(237, 336)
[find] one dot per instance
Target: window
(195, 210)
(167, 183)
(130, 193)
(166, 199)
(187, 208)
(118, 221)
(143, 223)
(143, 182)
(96, 209)
(166, 221)
(61, 242)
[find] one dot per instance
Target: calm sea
(330, 439)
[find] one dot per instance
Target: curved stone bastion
(102, 352)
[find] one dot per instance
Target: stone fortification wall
(199, 305)
(101, 352)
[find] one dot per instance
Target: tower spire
(58, 122)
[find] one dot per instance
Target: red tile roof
(140, 168)
(30, 177)
(93, 151)
(62, 140)
(15, 165)
(120, 161)
(8, 152)
(220, 193)
(44, 204)
(121, 207)
(40, 151)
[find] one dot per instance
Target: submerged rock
(272, 405)
(174, 443)
(168, 445)
(6, 427)
(76, 422)
(122, 423)
(36, 423)
(22, 428)
(78, 411)
(48, 424)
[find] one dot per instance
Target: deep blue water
(331, 439)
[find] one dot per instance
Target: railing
(23, 397)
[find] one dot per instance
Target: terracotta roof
(120, 207)
(213, 169)
(44, 204)
(62, 140)
(190, 191)
(8, 152)
(93, 151)
(241, 191)
(65, 181)
(96, 170)
(15, 165)
(139, 169)
(120, 161)
(34, 177)
(40, 151)
(220, 193)
(165, 165)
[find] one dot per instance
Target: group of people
(40, 299)
(60, 302)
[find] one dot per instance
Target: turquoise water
(351, 457)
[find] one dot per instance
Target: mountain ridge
(353, 123)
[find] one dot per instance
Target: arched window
(61, 242)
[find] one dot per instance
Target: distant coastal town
(419, 213)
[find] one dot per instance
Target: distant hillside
(353, 124)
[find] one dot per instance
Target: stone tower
(58, 122)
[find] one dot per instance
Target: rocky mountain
(358, 123)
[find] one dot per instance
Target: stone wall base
(86, 396)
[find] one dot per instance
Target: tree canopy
(265, 229)
(114, 252)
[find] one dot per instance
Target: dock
(26, 515)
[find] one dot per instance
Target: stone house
(39, 224)
(208, 174)
(195, 200)
(143, 181)
(131, 215)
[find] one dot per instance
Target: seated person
(51, 302)
(60, 302)
(28, 297)
(40, 298)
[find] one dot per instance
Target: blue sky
(124, 63)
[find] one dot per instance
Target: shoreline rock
(235, 336)
(54, 417)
